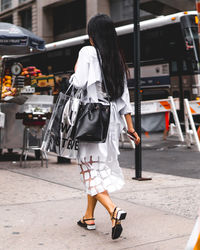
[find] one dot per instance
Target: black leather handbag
(93, 119)
(93, 122)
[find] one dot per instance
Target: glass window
(122, 11)
(184, 66)
(26, 19)
(190, 32)
(22, 1)
(174, 67)
(8, 19)
(69, 17)
(127, 9)
(152, 44)
(6, 4)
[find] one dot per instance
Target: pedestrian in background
(99, 166)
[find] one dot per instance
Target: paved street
(165, 156)
(39, 207)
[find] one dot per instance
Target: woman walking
(99, 166)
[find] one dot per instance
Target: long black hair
(102, 31)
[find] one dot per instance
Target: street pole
(136, 60)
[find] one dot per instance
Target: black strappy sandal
(85, 225)
(117, 229)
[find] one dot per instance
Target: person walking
(99, 166)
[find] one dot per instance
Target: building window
(122, 12)
(26, 19)
(6, 4)
(127, 7)
(69, 17)
(8, 19)
(22, 1)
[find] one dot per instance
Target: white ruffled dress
(99, 166)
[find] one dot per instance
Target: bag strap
(78, 93)
(68, 88)
(102, 74)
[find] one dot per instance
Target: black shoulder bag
(93, 119)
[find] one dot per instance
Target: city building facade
(55, 20)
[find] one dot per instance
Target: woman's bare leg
(106, 201)
(92, 201)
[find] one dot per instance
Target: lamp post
(136, 60)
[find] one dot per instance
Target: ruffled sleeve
(123, 103)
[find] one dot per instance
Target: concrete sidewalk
(39, 208)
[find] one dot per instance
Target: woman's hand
(135, 135)
(131, 130)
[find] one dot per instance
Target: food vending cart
(14, 40)
(26, 101)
